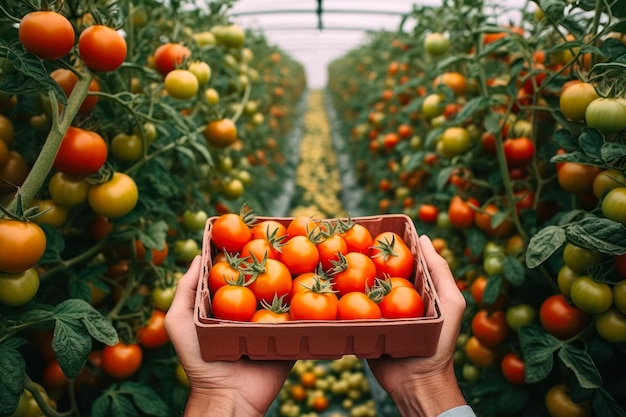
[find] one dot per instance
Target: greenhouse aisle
(344, 387)
(318, 185)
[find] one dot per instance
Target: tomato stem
(37, 175)
(41, 401)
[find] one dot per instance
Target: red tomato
(47, 34)
(358, 238)
(461, 213)
(300, 255)
(22, 244)
(82, 152)
(259, 249)
(234, 302)
(477, 290)
(577, 178)
(271, 278)
(268, 229)
(428, 213)
(301, 226)
(168, 56)
(67, 80)
(157, 256)
(490, 328)
(357, 305)
(561, 319)
(224, 272)
(392, 256)
(102, 48)
(329, 249)
(153, 334)
(401, 302)
(121, 360)
(311, 305)
(484, 218)
(230, 232)
(513, 368)
(220, 133)
(519, 151)
(264, 315)
(355, 273)
(53, 376)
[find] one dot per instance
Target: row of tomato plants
(121, 131)
(504, 141)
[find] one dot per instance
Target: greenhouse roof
(315, 32)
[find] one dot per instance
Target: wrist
(215, 403)
(429, 395)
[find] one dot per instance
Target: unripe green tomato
(611, 326)
(19, 288)
(591, 296)
(471, 372)
(201, 70)
(493, 265)
(520, 315)
(194, 221)
(565, 279)
(181, 84)
(127, 148)
(186, 250)
(580, 259)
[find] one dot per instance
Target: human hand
(427, 386)
(240, 388)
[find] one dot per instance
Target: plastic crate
(367, 339)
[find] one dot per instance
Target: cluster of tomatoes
(273, 270)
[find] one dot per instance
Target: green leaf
(444, 176)
(492, 123)
(581, 363)
(493, 289)
(603, 235)
(154, 236)
(538, 349)
(123, 407)
(36, 314)
(475, 241)
(566, 140)
(101, 406)
(145, 398)
(543, 244)
(514, 271)
(12, 376)
(591, 141)
(55, 245)
(604, 405)
(100, 328)
(613, 153)
(472, 107)
(71, 344)
(575, 156)
(553, 9)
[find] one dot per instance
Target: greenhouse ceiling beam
(326, 28)
(309, 11)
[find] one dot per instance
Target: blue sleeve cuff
(460, 411)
